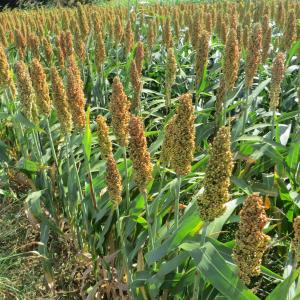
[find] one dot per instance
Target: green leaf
(87, 137)
(282, 290)
(214, 269)
(28, 165)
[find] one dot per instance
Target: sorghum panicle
(61, 102)
(40, 85)
(253, 54)
(119, 109)
(142, 166)
(231, 60)
(113, 181)
(251, 242)
(170, 74)
(75, 94)
(276, 79)
(217, 177)
(103, 137)
(296, 240)
(183, 145)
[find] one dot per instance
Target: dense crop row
(162, 141)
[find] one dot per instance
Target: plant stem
(177, 196)
(123, 250)
(273, 124)
(197, 273)
(245, 110)
(126, 178)
(148, 220)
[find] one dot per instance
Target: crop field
(150, 151)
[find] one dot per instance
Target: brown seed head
(136, 85)
(151, 34)
(142, 167)
(168, 39)
(296, 240)
(25, 89)
(183, 145)
(99, 51)
(40, 85)
(201, 56)
(251, 242)
(103, 137)
(6, 79)
(139, 57)
(47, 49)
(217, 177)
(253, 54)
(129, 38)
(290, 34)
(61, 102)
(167, 145)
(267, 36)
(75, 94)
(33, 43)
(119, 109)
(170, 74)
(113, 181)
(278, 70)
(231, 60)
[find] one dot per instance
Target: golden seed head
(61, 102)
(201, 56)
(113, 181)
(253, 54)
(167, 145)
(83, 21)
(47, 49)
(246, 35)
(75, 94)
(296, 240)
(223, 33)
(267, 36)
(103, 137)
(139, 57)
(278, 70)
(290, 34)
(25, 89)
(141, 162)
(251, 242)
(99, 51)
(231, 60)
(183, 139)
(129, 38)
(40, 85)
(170, 74)
(217, 177)
(167, 37)
(68, 43)
(33, 43)
(119, 109)
(118, 30)
(136, 83)
(6, 79)
(151, 34)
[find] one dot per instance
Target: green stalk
(245, 110)
(148, 220)
(126, 178)
(124, 253)
(197, 274)
(177, 196)
(273, 124)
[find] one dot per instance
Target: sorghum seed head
(142, 166)
(99, 51)
(40, 85)
(170, 74)
(61, 102)
(103, 137)
(231, 60)
(136, 84)
(183, 145)
(75, 94)
(113, 181)
(253, 54)
(119, 109)
(251, 242)
(276, 79)
(217, 177)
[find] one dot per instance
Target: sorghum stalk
(251, 242)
